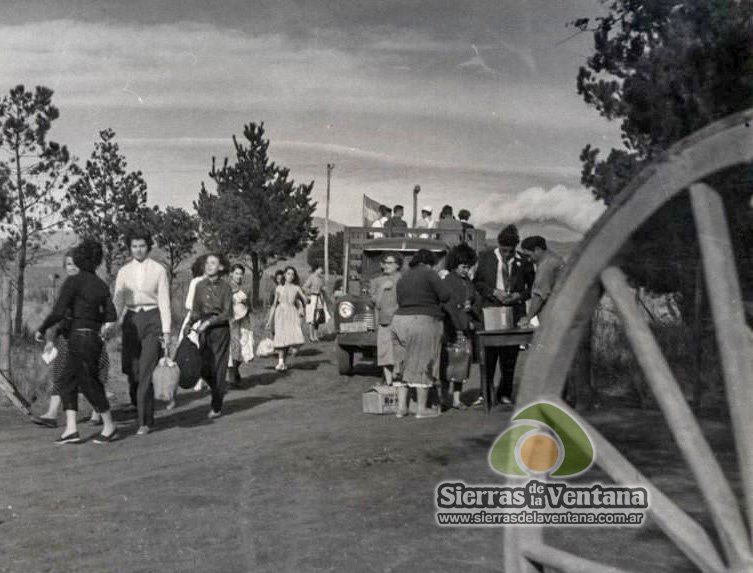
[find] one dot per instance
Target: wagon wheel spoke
(682, 529)
(726, 301)
(523, 540)
(717, 147)
(565, 561)
(687, 433)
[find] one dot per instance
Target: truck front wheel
(344, 361)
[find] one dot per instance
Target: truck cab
(364, 246)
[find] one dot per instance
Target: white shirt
(426, 223)
(144, 286)
(500, 275)
(379, 224)
(192, 291)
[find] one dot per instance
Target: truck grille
(367, 317)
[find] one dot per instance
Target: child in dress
(286, 316)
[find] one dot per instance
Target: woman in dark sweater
(417, 331)
(211, 314)
(85, 298)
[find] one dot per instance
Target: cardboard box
(498, 318)
(383, 400)
(380, 400)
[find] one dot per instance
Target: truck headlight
(346, 310)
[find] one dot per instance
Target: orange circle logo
(539, 453)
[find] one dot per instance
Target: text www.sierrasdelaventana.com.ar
(540, 503)
(538, 518)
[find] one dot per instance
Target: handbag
(188, 359)
(266, 347)
(458, 359)
(319, 317)
(165, 380)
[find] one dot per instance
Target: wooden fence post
(6, 311)
(5, 324)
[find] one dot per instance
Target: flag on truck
(370, 210)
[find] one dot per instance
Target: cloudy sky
(474, 100)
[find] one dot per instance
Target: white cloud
(573, 208)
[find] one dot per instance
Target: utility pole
(330, 167)
(416, 191)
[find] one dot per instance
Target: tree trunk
(21, 275)
(255, 280)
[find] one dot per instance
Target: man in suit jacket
(504, 278)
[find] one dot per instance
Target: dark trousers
(507, 357)
(80, 372)
(215, 352)
(142, 350)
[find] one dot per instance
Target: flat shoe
(44, 422)
(73, 438)
(213, 415)
(143, 431)
(433, 413)
(102, 439)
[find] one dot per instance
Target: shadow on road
(309, 352)
(197, 416)
(308, 365)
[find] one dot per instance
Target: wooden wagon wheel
(721, 145)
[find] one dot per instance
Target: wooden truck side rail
(356, 238)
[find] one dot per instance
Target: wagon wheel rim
(721, 145)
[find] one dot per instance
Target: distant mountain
(550, 230)
(334, 226)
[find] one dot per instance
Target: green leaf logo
(553, 444)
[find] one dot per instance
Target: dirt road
(293, 478)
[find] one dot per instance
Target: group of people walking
(85, 314)
(426, 318)
(425, 323)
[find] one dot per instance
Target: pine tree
(256, 211)
(34, 171)
(665, 70)
(176, 234)
(106, 200)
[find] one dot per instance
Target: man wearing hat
(426, 221)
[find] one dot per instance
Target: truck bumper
(357, 340)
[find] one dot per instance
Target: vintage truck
(364, 246)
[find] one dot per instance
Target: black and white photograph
(375, 286)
